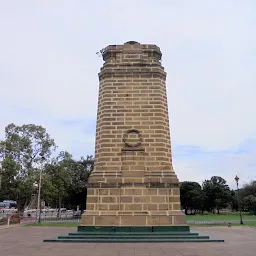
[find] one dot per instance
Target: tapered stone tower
(133, 192)
(133, 182)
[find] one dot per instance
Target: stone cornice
(136, 73)
(122, 185)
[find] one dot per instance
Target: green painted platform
(109, 234)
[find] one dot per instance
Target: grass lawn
(248, 224)
(205, 217)
(54, 224)
(228, 216)
(65, 224)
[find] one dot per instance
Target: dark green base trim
(134, 229)
(129, 234)
(136, 234)
(144, 237)
(132, 241)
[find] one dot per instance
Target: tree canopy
(28, 150)
(21, 153)
(215, 194)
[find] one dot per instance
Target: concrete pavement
(24, 241)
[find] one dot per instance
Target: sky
(49, 74)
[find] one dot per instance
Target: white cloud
(49, 66)
(203, 166)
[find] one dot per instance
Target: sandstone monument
(133, 193)
(133, 182)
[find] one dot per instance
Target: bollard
(8, 221)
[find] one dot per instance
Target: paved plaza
(26, 241)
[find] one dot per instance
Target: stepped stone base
(133, 234)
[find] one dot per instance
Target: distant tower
(133, 182)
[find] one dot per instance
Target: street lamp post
(2, 166)
(39, 192)
(238, 200)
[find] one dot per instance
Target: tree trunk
(186, 211)
(59, 215)
(20, 209)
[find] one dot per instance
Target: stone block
(163, 207)
(179, 220)
(92, 199)
(132, 191)
(133, 207)
(90, 206)
(165, 220)
(141, 199)
(133, 220)
(109, 199)
(162, 191)
(152, 206)
(114, 191)
(150, 191)
(176, 191)
(133, 173)
(153, 221)
(176, 207)
(103, 191)
(174, 199)
(87, 220)
(90, 191)
(113, 207)
(103, 206)
(106, 221)
(126, 199)
(157, 199)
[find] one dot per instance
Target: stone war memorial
(133, 192)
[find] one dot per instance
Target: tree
(8, 182)
(58, 179)
(65, 181)
(21, 154)
(80, 173)
(217, 193)
(249, 189)
(250, 204)
(233, 200)
(248, 195)
(190, 194)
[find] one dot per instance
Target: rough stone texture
(133, 173)
(26, 241)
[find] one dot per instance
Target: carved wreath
(132, 145)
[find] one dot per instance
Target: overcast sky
(49, 73)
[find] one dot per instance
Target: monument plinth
(133, 182)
